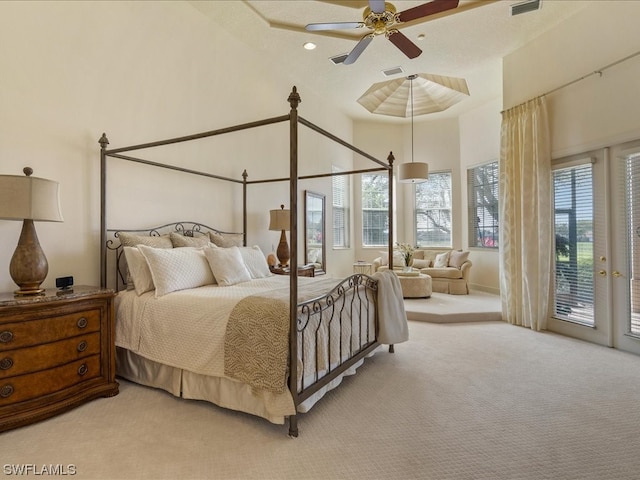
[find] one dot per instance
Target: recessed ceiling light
(422, 36)
(309, 45)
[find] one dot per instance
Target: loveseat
(448, 269)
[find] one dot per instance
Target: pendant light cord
(411, 93)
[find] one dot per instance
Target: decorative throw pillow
(442, 260)
(418, 254)
(178, 240)
(420, 263)
(398, 258)
(429, 256)
(255, 262)
(177, 268)
(227, 265)
(138, 270)
(226, 240)
(457, 258)
(133, 240)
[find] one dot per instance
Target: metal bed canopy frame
(294, 119)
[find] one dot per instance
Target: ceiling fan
(381, 18)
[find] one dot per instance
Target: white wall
(597, 111)
(139, 71)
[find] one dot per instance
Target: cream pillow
(420, 263)
(457, 258)
(133, 240)
(178, 240)
(138, 270)
(227, 265)
(255, 262)
(398, 259)
(226, 240)
(442, 260)
(177, 268)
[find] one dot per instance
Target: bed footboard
(334, 333)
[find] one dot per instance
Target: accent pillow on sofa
(420, 263)
(398, 259)
(177, 268)
(457, 258)
(442, 260)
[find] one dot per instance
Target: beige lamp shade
(29, 199)
(279, 219)
(413, 172)
(33, 198)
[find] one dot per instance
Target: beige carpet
(443, 308)
(458, 401)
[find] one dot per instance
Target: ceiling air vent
(525, 7)
(392, 71)
(338, 59)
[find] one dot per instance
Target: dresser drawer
(35, 332)
(42, 357)
(34, 385)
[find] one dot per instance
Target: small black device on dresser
(64, 283)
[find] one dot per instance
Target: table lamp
(29, 199)
(279, 220)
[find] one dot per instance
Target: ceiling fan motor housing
(380, 22)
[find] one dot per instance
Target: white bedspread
(183, 331)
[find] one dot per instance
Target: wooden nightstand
(303, 270)
(56, 352)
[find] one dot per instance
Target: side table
(57, 351)
(363, 268)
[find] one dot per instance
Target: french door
(595, 295)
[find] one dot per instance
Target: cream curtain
(526, 216)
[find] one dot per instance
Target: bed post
(104, 141)
(244, 207)
(294, 101)
(390, 159)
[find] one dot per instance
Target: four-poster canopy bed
(318, 329)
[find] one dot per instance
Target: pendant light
(413, 172)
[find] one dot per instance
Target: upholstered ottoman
(415, 286)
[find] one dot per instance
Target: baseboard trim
(484, 288)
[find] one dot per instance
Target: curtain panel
(526, 215)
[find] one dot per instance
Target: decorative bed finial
(104, 141)
(294, 98)
(390, 159)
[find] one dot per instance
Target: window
(433, 211)
(574, 224)
(375, 209)
(340, 186)
(482, 191)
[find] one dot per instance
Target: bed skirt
(221, 391)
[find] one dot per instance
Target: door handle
(602, 273)
(616, 274)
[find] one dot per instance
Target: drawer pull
(6, 391)
(6, 363)
(82, 322)
(82, 369)
(82, 346)
(6, 336)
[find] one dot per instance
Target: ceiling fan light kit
(381, 19)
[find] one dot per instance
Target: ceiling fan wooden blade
(426, 9)
(333, 26)
(405, 45)
(377, 6)
(358, 49)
